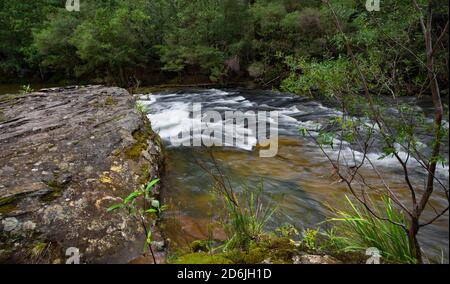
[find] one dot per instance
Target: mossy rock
(202, 258)
(199, 246)
(252, 256)
(8, 204)
(55, 191)
(134, 151)
(7, 98)
(110, 101)
(278, 250)
(40, 179)
(6, 200)
(7, 208)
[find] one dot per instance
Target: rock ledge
(67, 154)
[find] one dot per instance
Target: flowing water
(298, 179)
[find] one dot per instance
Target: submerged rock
(67, 154)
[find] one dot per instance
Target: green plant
(140, 108)
(246, 220)
(141, 209)
(25, 89)
(245, 214)
(357, 230)
(310, 238)
(287, 231)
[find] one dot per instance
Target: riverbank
(67, 154)
(14, 88)
(268, 249)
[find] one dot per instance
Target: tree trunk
(414, 242)
(426, 25)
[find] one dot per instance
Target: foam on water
(171, 121)
(171, 114)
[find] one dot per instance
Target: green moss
(145, 170)
(55, 191)
(38, 249)
(6, 200)
(278, 250)
(116, 152)
(5, 253)
(199, 246)
(278, 243)
(141, 136)
(110, 101)
(202, 258)
(145, 174)
(252, 256)
(8, 204)
(134, 151)
(7, 98)
(7, 208)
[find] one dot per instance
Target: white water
(170, 114)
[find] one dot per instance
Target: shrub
(357, 229)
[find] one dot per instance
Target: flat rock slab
(66, 155)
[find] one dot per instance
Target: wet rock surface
(315, 259)
(66, 155)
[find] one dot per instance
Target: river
(297, 180)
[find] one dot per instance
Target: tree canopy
(274, 42)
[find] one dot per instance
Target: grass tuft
(356, 229)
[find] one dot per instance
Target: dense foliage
(269, 41)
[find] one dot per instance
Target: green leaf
(151, 184)
(152, 210)
(149, 237)
(114, 207)
(303, 131)
(131, 197)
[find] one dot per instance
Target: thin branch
(435, 218)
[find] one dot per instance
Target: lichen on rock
(64, 158)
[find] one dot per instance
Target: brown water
(298, 179)
(299, 182)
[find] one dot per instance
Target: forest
(266, 41)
